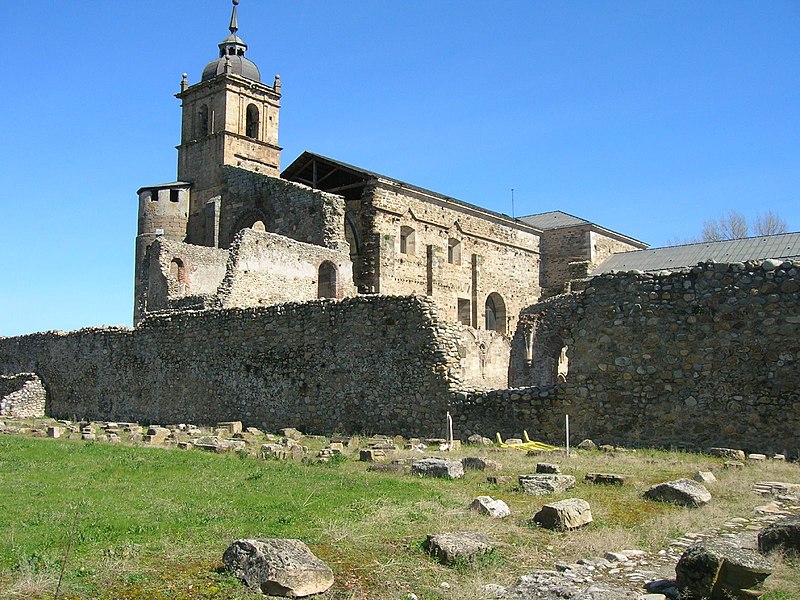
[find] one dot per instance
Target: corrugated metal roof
(785, 245)
(555, 219)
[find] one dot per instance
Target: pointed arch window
(252, 118)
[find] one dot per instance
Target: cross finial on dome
(234, 26)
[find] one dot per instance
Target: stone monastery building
(235, 231)
(335, 299)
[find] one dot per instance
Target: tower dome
(231, 55)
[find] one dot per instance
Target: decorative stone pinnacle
(234, 26)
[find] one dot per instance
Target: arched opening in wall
(562, 367)
(258, 226)
(495, 313)
(454, 251)
(326, 283)
(251, 129)
(177, 274)
(202, 122)
(407, 240)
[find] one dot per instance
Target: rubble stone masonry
(376, 364)
(703, 357)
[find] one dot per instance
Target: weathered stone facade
(22, 395)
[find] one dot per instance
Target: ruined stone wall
(481, 262)
(485, 356)
(703, 357)
(22, 395)
(286, 208)
(265, 268)
(174, 271)
(367, 365)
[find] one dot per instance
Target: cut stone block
(733, 464)
(783, 535)
(587, 445)
(230, 427)
(497, 509)
(684, 492)
(480, 464)
(704, 477)
(460, 545)
(500, 479)
(606, 478)
(718, 570)
(438, 467)
(565, 514)
(731, 453)
(372, 455)
(278, 567)
(754, 457)
(548, 468)
(544, 484)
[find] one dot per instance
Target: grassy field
(151, 523)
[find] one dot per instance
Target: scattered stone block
(718, 570)
(544, 484)
(704, 477)
(727, 453)
(479, 440)
(389, 468)
(550, 468)
(616, 556)
(757, 457)
(88, 437)
(587, 445)
(564, 515)
(606, 478)
(278, 567)
(783, 536)
(275, 451)
(438, 467)
(372, 455)
(684, 492)
(291, 433)
(336, 447)
(500, 479)
(486, 505)
(254, 431)
(477, 463)
(606, 448)
(514, 442)
(54, 431)
(213, 443)
(455, 546)
(733, 464)
(156, 435)
(779, 457)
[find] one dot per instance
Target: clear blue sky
(645, 117)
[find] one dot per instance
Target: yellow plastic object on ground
(527, 445)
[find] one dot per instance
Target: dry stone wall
(703, 357)
(370, 364)
(22, 395)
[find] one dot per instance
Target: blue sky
(645, 117)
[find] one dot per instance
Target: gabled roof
(555, 219)
(785, 246)
(339, 177)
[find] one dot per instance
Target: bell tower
(229, 118)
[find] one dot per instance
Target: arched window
(454, 251)
(177, 275)
(251, 129)
(406, 240)
(326, 284)
(202, 121)
(495, 313)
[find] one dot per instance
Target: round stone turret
(231, 55)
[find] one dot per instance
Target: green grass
(153, 523)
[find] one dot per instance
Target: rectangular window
(464, 312)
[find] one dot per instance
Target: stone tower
(230, 118)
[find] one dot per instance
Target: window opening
(326, 283)
(251, 128)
